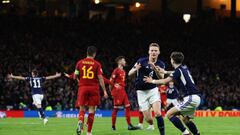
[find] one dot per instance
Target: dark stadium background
(52, 35)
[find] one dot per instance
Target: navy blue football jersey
(172, 93)
(146, 70)
(36, 84)
(184, 81)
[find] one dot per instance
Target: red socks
(90, 121)
(127, 115)
(140, 117)
(114, 116)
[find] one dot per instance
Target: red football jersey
(118, 76)
(88, 70)
(163, 91)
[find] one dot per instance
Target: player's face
(171, 84)
(153, 52)
(33, 75)
(123, 62)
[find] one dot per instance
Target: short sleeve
(114, 74)
(76, 72)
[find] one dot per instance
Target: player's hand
(116, 85)
(153, 66)
(161, 70)
(137, 66)
(10, 76)
(147, 79)
(67, 75)
(105, 95)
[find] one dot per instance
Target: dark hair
(35, 72)
(154, 45)
(91, 50)
(119, 58)
(177, 57)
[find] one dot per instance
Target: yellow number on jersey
(87, 73)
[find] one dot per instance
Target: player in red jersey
(89, 72)
(119, 95)
(71, 76)
(163, 94)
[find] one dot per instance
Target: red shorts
(88, 96)
(120, 97)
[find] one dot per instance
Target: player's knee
(186, 120)
(148, 117)
(157, 113)
(169, 115)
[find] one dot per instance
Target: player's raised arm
(135, 68)
(17, 77)
(102, 84)
(53, 76)
(160, 81)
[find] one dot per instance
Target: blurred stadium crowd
(211, 48)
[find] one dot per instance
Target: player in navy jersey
(36, 84)
(172, 94)
(148, 94)
(186, 86)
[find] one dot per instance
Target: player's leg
(171, 114)
(191, 126)
(90, 120)
(114, 117)
(37, 100)
(81, 101)
(80, 120)
(154, 99)
(127, 113)
(93, 101)
(140, 119)
(147, 114)
(160, 122)
(188, 112)
(144, 106)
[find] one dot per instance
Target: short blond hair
(154, 45)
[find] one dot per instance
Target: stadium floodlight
(186, 17)
(137, 4)
(96, 1)
(5, 1)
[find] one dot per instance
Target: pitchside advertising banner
(104, 113)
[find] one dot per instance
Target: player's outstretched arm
(163, 71)
(102, 84)
(53, 76)
(16, 77)
(134, 70)
(160, 81)
(70, 76)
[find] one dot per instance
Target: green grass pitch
(102, 126)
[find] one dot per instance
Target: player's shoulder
(160, 62)
(96, 62)
(185, 67)
(143, 59)
(116, 69)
